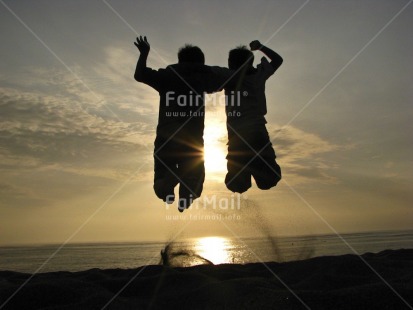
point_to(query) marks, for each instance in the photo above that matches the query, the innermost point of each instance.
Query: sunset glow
(77, 130)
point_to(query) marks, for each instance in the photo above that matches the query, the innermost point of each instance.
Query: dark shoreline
(327, 282)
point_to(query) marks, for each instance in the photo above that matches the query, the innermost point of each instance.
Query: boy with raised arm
(250, 151)
(179, 143)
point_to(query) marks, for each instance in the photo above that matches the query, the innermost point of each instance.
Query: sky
(77, 132)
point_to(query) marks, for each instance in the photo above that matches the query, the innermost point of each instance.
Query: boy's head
(240, 56)
(190, 53)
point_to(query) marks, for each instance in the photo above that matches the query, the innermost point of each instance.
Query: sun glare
(214, 159)
(214, 249)
(214, 150)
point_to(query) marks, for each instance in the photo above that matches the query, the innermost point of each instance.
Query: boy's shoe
(184, 203)
(170, 199)
(238, 184)
(164, 190)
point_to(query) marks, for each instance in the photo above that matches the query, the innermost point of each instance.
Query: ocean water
(216, 250)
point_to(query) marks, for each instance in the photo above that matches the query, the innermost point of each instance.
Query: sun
(214, 159)
(214, 148)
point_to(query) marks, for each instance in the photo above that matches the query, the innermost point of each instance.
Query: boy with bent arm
(250, 151)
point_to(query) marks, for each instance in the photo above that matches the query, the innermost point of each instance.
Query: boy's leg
(238, 178)
(191, 170)
(166, 171)
(264, 168)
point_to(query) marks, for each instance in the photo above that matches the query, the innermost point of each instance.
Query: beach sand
(329, 282)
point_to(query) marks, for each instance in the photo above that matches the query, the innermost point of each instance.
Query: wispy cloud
(52, 126)
(302, 154)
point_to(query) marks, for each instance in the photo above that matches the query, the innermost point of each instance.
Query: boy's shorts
(250, 153)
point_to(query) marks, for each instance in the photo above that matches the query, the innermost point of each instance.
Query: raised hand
(142, 44)
(255, 45)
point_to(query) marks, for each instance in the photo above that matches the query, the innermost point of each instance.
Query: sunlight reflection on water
(214, 249)
(206, 250)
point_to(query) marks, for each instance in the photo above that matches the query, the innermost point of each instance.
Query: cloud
(52, 128)
(114, 79)
(302, 155)
(12, 196)
(56, 129)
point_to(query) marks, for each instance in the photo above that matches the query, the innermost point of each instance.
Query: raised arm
(143, 45)
(276, 60)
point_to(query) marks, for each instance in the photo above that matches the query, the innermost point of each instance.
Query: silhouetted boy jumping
(250, 151)
(179, 143)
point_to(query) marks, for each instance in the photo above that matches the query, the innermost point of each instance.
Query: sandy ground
(333, 282)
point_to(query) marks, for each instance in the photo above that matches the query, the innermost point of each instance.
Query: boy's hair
(190, 53)
(240, 56)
